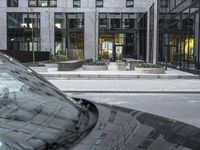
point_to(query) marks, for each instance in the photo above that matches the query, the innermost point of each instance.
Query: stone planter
(40, 69)
(95, 67)
(150, 70)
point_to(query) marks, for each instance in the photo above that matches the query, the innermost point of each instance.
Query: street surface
(136, 85)
(182, 107)
(176, 98)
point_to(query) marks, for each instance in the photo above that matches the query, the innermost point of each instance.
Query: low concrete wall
(39, 69)
(94, 68)
(51, 65)
(150, 70)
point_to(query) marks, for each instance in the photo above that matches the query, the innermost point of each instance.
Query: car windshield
(31, 109)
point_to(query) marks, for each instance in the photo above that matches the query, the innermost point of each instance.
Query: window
(42, 3)
(21, 27)
(103, 24)
(128, 21)
(76, 3)
(99, 3)
(52, 3)
(33, 3)
(129, 3)
(12, 3)
(115, 20)
(69, 35)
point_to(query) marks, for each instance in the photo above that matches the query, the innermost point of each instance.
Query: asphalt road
(131, 86)
(182, 107)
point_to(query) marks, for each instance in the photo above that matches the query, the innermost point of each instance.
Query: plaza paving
(115, 81)
(114, 73)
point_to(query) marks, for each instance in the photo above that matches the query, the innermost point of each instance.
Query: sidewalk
(114, 74)
(115, 81)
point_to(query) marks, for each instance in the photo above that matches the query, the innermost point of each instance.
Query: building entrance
(115, 47)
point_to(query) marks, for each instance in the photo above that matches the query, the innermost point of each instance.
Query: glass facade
(179, 35)
(119, 34)
(69, 35)
(42, 3)
(23, 31)
(12, 3)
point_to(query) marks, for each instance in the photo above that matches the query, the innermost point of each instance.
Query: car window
(29, 105)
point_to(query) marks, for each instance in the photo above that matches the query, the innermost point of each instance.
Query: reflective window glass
(12, 3)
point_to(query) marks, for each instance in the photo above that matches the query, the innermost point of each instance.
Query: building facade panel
(3, 31)
(47, 21)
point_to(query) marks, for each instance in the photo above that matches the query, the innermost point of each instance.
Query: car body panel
(34, 114)
(120, 128)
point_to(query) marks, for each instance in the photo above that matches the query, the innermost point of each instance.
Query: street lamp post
(95, 29)
(32, 35)
(33, 52)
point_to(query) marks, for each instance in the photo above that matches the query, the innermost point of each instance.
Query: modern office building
(158, 31)
(174, 34)
(98, 29)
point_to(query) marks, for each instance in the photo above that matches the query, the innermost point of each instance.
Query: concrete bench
(71, 65)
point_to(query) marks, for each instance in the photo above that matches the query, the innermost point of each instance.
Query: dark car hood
(126, 129)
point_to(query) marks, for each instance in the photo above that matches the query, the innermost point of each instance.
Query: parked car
(34, 114)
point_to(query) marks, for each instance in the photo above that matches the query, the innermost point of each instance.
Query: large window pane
(20, 32)
(103, 24)
(42, 3)
(69, 35)
(99, 3)
(129, 3)
(115, 21)
(77, 3)
(12, 3)
(53, 3)
(13, 20)
(32, 3)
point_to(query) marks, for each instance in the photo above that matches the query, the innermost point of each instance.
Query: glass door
(106, 47)
(118, 53)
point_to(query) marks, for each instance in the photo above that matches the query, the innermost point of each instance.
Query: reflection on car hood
(125, 129)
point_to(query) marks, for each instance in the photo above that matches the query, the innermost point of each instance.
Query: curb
(114, 77)
(135, 92)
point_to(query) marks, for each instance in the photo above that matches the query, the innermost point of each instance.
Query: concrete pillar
(148, 37)
(90, 36)
(47, 31)
(155, 38)
(197, 37)
(3, 31)
(64, 36)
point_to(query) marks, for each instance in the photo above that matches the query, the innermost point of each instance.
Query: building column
(148, 37)
(3, 31)
(47, 31)
(90, 36)
(155, 38)
(197, 37)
